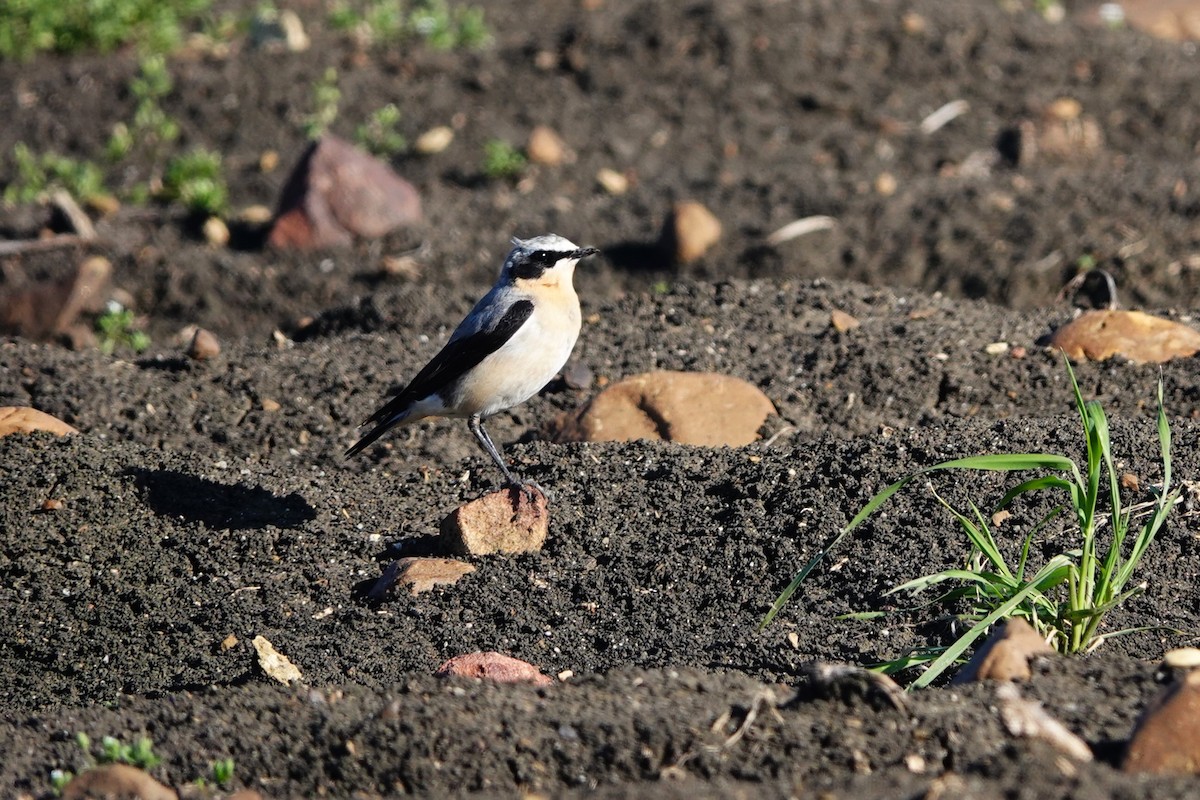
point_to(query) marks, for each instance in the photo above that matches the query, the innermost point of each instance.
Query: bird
(514, 341)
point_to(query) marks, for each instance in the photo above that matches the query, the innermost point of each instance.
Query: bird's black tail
(385, 425)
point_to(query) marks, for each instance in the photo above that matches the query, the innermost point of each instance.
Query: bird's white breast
(525, 363)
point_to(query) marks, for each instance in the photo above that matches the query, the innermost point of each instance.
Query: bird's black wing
(455, 359)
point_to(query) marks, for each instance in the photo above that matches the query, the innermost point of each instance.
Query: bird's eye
(544, 257)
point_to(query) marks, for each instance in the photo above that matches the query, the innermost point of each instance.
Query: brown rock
(697, 408)
(1005, 655)
(513, 520)
(204, 345)
(689, 231)
(1097, 335)
(116, 782)
(419, 575)
(338, 192)
(50, 308)
(545, 147)
(20, 419)
(492, 666)
(1167, 737)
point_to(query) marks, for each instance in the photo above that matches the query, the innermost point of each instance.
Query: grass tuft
(1067, 597)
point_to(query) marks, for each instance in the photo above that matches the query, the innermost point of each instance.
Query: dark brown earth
(190, 512)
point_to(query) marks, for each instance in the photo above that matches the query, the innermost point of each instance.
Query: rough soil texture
(209, 500)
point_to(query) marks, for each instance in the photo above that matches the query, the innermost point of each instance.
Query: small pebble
(204, 346)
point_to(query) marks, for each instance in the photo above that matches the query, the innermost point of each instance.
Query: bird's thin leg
(476, 425)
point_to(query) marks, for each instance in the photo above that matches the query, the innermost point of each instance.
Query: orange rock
(1005, 655)
(508, 521)
(698, 408)
(20, 419)
(338, 192)
(1097, 335)
(1167, 737)
(690, 231)
(492, 666)
(116, 781)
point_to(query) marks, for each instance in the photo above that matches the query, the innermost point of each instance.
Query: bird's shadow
(217, 505)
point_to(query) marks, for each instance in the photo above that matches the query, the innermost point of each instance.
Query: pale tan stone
(1101, 334)
(21, 419)
(697, 408)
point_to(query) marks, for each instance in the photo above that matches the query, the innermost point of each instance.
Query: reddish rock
(1097, 335)
(513, 520)
(494, 667)
(689, 407)
(116, 782)
(1167, 737)
(48, 309)
(21, 419)
(1005, 655)
(338, 192)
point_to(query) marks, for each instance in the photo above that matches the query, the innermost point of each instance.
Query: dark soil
(191, 513)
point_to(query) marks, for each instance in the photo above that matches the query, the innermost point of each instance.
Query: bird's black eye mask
(533, 265)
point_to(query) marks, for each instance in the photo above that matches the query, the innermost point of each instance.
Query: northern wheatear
(513, 343)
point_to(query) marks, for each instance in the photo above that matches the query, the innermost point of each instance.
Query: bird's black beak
(584, 252)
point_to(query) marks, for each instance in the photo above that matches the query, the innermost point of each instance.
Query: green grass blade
(1036, 485)
(1001, 462)
(986, 579)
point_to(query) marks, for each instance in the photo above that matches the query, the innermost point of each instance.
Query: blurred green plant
(150, 126)
(501, 160)
(40, 173)
(222, 771)
(443, 26)
(195, 179)
(117, 327)
(326, 96)
(379, 134)
(29, 27)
